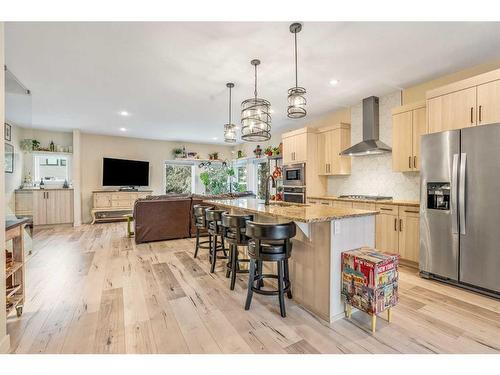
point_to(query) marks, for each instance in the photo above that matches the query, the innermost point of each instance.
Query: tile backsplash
(373, 175)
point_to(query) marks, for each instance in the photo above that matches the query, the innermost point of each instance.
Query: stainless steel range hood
(370, 144)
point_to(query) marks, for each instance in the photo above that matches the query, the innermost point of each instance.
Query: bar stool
(234, 233)
(215, 229)
(200, 223)
(269, 243)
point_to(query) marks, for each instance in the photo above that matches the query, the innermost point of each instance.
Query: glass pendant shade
(229, 133)
(296, 95)
(255, 116)
(296, 102)
(229, 128)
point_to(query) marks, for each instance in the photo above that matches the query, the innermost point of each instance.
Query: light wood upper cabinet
(331, 141)
(402, 141)
(488, 103)
(295, 147)
(456, 110)
(469, 102)
(408, 125)
(419, 128)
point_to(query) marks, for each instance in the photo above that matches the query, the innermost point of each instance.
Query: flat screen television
(122, 172)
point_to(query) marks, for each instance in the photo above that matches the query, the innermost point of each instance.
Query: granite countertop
(291, 211)
(388, 201)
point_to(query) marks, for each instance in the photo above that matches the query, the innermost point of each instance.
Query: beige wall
(13, 180)
(417, 93)
(95, 147)
(4, 339)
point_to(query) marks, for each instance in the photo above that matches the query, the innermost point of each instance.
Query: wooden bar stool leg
(389, 315)
(229, 264)
(260, 283)
(197, 246)
(214, 254)
(374, 323)
(251, 276)
(287, 278)
(281, 294)
(234, 267)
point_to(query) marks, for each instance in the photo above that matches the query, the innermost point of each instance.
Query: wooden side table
(370, 282)
(130, 219)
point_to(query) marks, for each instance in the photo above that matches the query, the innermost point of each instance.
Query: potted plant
(213, 156)
(268, 151)
(35, 145)
(177, 152)
(276, 151)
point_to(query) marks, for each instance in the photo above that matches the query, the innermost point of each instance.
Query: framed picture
(8, 132)
(9, 158)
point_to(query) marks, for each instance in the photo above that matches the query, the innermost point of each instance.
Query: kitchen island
(323, 233)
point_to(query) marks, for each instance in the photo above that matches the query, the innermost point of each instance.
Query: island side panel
(347, 234)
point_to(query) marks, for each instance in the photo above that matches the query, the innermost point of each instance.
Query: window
(241, 178)
(52, 169)
(179, 178)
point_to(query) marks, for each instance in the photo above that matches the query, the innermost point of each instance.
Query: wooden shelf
(12, 269)
(11, 291)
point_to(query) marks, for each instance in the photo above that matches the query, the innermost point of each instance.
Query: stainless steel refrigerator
(460, 207)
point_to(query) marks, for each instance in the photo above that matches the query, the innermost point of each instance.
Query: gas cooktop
(367, 197)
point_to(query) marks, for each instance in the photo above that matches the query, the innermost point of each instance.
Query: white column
(4, 338)
(77, 195)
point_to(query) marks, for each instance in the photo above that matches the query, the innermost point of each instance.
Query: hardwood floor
(92, 290)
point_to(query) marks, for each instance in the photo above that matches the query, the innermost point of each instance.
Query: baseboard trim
(5, 345)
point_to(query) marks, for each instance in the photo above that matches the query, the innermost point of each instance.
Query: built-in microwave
(294, 175)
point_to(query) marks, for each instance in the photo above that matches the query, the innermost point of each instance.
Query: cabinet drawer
(102, 200)
(343, 204)
(363, 206)
(389, 209)
(409, 211)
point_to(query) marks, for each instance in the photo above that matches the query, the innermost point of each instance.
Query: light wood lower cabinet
(386, 224)
(52, 207)
(344, 204)
(409, 233)
(397, 231)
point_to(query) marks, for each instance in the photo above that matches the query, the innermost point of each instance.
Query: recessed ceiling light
(271, 110)
(124, 113)
(123, 129)
(334, 82)
(215, 138)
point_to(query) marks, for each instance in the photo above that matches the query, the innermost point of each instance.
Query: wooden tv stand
(112, 205)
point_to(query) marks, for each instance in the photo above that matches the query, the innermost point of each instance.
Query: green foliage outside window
(178, 179)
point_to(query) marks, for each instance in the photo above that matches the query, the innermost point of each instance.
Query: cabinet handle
(385, 209)
(480, 112)
(412, 212)
(414, 162)
(395, 224)
(400, 225)
(471, 115)
(409, 162)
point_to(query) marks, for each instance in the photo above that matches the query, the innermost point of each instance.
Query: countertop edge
(393, 202)
(318, 220)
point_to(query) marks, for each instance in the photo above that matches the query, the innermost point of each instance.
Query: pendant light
(296, 95)
(255, 116)
(229, 128)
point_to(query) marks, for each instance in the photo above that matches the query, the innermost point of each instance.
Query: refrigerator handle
(454, 194)
(461, 192)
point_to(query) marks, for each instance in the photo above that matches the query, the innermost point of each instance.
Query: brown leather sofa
(168, 217)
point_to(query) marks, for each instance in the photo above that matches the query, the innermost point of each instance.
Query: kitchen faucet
(269, 176)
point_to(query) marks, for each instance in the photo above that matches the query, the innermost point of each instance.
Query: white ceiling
(171, 76)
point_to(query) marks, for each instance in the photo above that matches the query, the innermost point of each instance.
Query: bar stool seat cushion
(269, 247)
